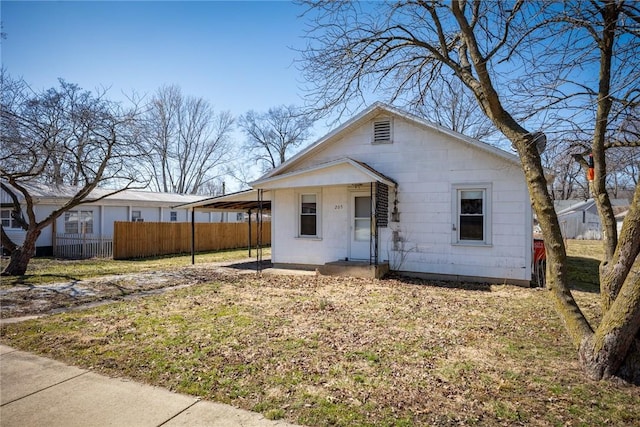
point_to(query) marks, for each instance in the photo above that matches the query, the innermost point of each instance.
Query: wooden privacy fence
(145, 239)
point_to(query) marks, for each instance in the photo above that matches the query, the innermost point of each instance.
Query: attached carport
(252, 201)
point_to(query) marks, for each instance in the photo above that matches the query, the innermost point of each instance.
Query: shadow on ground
(584, 274)
(251, 265)
(469, 286)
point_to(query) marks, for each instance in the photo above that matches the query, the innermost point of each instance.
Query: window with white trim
(308, 215)
(7, 219)
(472, 223)
(136, 216)
(173, 216)
(78, 222)
(382, 131)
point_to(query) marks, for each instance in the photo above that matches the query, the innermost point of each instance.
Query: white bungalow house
(96, 218)
(390, 189)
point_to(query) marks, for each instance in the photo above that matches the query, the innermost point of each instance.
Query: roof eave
(374, 175)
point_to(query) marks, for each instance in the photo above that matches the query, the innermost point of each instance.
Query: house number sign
(338, 207)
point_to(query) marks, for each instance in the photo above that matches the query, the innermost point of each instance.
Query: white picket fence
(81, 246)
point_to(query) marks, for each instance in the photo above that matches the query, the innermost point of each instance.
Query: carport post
(249, 233)
(193, 236)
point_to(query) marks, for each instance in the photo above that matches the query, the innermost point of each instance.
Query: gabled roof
(343, 171)
(620, 208)
(622, 215)
(44, 193)
(376, 109)
(578, 207)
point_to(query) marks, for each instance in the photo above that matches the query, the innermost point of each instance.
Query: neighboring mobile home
(580, 219)
(96, 218)
(388, 187)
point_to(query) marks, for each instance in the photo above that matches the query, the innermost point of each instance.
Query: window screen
(76, 222)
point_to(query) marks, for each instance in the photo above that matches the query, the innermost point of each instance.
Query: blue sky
(237, 55)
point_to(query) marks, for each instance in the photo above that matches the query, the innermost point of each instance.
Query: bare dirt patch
(21, 300)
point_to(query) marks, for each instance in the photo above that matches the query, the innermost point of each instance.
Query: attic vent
(382, 131)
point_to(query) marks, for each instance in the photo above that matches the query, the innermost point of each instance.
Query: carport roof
(241, 201)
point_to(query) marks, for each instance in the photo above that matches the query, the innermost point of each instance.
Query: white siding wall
(425, 164)
(331, 244)
(112, 214)
(17, 234)
(46, 235)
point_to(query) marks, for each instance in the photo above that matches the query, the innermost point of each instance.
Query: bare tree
(569, 181)
(524, 63)
(272, 135)
(623, 163)
(61, 136)
(449, 104)
(187, 142)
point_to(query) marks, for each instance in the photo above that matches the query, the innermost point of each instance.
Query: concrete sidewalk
(36, 391)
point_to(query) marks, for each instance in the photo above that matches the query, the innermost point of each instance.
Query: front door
(360, 240)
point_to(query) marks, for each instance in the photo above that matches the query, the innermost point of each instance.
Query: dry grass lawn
(350, 352)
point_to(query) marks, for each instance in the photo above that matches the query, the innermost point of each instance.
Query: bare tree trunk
(21, 255)
(608, 350)
(610, 13)
(558, 282)
(489, 100)
(7, 243)
(614, 271)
